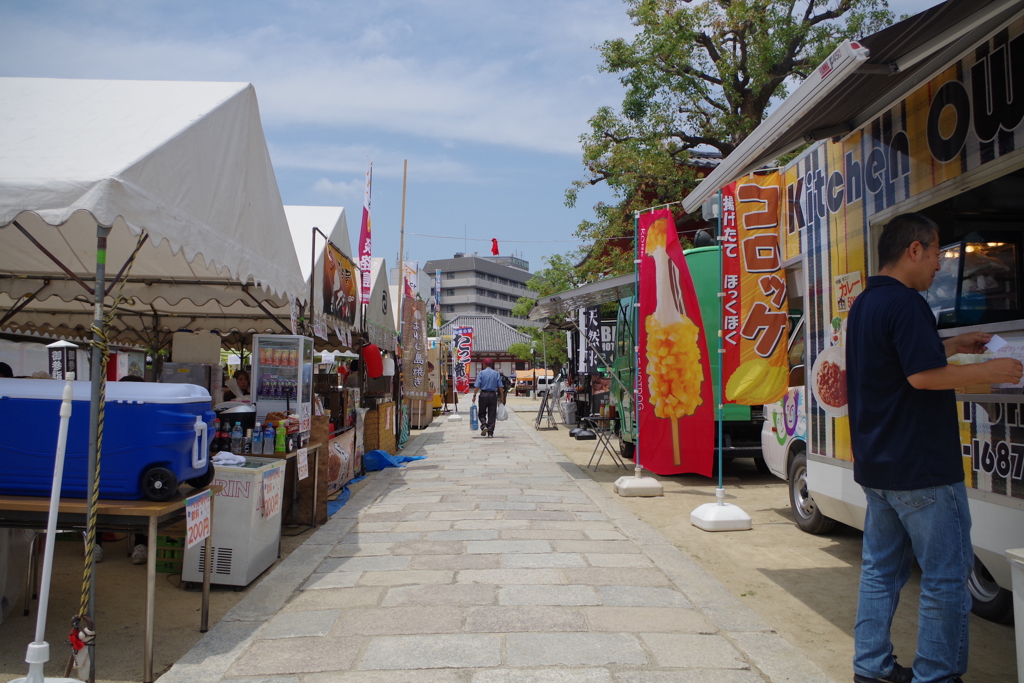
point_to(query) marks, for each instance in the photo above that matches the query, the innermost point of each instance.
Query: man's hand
(1003, 370)
(972, 342)
(474, 397)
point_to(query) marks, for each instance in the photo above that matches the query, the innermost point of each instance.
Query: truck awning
(860, 80)
(593, 294)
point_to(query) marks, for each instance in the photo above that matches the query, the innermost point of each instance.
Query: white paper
(197, 518)
(302, 462)
(995, 343)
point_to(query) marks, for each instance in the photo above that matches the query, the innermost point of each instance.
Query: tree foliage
(700, 77)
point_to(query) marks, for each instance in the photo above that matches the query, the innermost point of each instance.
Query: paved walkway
(493, 561)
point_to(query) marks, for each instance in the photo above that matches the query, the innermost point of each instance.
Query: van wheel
(159, 484)
(203, 479)
(807, 515)
(988, 599)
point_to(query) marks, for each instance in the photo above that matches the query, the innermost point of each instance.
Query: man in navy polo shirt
(906, 452)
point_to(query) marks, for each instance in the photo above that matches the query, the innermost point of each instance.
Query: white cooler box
(244, 541)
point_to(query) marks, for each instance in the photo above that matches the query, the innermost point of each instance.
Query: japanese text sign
(755, 310)
(415, 379)
(463, 354)
(273, 488)
(197, 518)
(302, 463)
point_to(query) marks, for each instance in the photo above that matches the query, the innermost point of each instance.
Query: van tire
(807, 515)
(988, 599)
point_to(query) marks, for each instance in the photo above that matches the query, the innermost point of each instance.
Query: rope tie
(102, 345)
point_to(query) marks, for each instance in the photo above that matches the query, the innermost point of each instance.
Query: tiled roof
(490, 335)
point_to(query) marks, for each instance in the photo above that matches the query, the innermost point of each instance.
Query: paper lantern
(389, 367)
(372, 361)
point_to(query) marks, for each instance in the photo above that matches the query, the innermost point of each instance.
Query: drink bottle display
(268, 439)
(247, 442)
(236, 439)
(279, 438)
(257, 440)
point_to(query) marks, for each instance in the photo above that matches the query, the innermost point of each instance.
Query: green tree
(700, 77)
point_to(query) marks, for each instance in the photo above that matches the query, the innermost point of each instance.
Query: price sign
(273, 487)
(302, 462)
(197, 518)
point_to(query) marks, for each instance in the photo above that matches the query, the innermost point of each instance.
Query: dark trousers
(488, 409)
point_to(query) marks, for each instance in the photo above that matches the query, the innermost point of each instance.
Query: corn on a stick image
(674, 372)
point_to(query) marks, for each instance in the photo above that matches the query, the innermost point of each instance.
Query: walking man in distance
(488, 384)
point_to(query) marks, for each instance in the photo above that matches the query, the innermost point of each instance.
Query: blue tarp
(378, 460)
(339, 502)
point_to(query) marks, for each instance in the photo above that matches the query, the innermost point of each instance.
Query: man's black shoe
(899, 674)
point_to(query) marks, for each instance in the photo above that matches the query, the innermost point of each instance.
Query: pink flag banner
(365, 241)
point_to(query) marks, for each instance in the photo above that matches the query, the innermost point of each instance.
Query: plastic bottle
(257, 440)
(247, 442)
(236, 439)
(215, 444)
(268, 439)
(279, 438)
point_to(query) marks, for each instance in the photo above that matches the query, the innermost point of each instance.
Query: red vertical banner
(366, 242)
(463, 356)
(755, 316)
(676, 402)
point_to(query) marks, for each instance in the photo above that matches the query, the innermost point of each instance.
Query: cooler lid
(117, 392)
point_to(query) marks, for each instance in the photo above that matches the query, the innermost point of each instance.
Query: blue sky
(486, 99)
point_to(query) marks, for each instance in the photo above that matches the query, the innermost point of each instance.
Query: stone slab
(376, 563)
(299, 624)
(454, 594)
(541, 560)
(456, 562)
(618, 560)
(573, 649)
(428, 548)
(502, 547)
(512, 619)
(543, 676)
(511, 576)
(406, 577)
(647, 619)
(334, 598)
(297, 655)
(548, 595)
(692, 651)
(393, 621)
(639, 596)
(432, 652)
(613, 576)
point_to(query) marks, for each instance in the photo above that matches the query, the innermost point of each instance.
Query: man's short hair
(900, 233)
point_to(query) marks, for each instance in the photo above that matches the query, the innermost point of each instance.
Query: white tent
(184, 163)
(380, 321)
(331, 221)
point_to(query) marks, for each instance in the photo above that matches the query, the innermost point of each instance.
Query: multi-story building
(481, 285)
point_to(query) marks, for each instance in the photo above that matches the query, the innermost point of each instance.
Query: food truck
(942, 135)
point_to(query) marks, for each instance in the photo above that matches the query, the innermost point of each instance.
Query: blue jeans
(933, 525)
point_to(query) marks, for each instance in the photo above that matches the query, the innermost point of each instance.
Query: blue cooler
(155, 437)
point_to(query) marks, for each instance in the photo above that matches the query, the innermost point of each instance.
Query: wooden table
(140, 516)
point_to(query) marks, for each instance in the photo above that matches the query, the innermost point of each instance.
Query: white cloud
(346, 190)
(478, 72)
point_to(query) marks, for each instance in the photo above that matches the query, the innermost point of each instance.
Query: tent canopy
(859, 81)
(380, 321)
(184, 163)
(332, 221)
(593, 294)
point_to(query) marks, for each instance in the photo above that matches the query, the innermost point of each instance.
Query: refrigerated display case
(282, 376)
(978, 280)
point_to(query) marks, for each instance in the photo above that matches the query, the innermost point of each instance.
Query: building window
(449, 309)
(449, 292)
(450, 276)
(520, 365)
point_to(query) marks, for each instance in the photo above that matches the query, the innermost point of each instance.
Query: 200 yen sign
(1004, 460)
(198, 532)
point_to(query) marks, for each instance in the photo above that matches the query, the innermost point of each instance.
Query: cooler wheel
(159, 483)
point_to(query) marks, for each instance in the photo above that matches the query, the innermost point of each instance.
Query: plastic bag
(502, 413)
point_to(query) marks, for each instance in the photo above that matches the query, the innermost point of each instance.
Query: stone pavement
(492, 561)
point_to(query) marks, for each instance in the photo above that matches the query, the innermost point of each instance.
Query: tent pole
(401, 254)
(97, 380)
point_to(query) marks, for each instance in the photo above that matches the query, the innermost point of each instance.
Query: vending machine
(282, 376)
